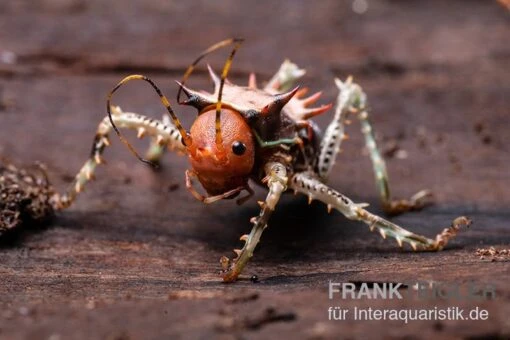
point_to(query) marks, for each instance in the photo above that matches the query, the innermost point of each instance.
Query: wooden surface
(137, 257)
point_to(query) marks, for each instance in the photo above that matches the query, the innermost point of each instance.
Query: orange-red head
(221, 170)
(223, 155)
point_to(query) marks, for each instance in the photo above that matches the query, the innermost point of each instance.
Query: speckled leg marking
(277, 183)
(156, 151)
(310, 185)
(348, 99)
(165, 135)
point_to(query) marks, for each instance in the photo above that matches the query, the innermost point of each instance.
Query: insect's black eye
(238, 148)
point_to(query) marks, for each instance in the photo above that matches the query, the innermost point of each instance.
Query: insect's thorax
(286, 140)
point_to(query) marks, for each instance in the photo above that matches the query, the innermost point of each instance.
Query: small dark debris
(270, 315)
(5, 103)
(421, 136)
(241, 298)
(401, 135)
(122, 335)
(390, 148)
(229, 321)
(453, 159)
(173, 187)
(439, 138)
(455, 162)
(389, 67)
(67, 178)
(438, 326)
(24, 197)
(487, 140)
(481, 130)
(479, 127)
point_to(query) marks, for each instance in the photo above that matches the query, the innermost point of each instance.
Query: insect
(264, 135)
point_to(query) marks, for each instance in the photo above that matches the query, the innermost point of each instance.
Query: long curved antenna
(211, 49)
(185, 136)
(224, 73)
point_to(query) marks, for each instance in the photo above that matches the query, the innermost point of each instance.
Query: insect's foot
(154, 155)
(417, 202)
(60, 202)
(448, 233)
(229, 271)
(421, 199)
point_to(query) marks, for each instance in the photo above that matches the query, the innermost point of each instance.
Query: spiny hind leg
(390, 206)
(276, 176)
(166, 136)
(310, 185)
(352, 100)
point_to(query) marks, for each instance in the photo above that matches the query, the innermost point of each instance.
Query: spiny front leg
(165, 135)
(309, 184)
(277, 183)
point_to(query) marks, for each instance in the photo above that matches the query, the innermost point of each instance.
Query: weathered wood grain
(136, 256)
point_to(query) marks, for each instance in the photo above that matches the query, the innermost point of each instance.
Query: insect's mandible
(264, 135)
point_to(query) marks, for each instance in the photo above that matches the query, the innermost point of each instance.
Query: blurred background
(437, 78)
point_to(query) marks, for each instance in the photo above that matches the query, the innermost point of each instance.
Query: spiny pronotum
(265, 135)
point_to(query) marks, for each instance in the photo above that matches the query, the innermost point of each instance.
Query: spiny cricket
(265, 135)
